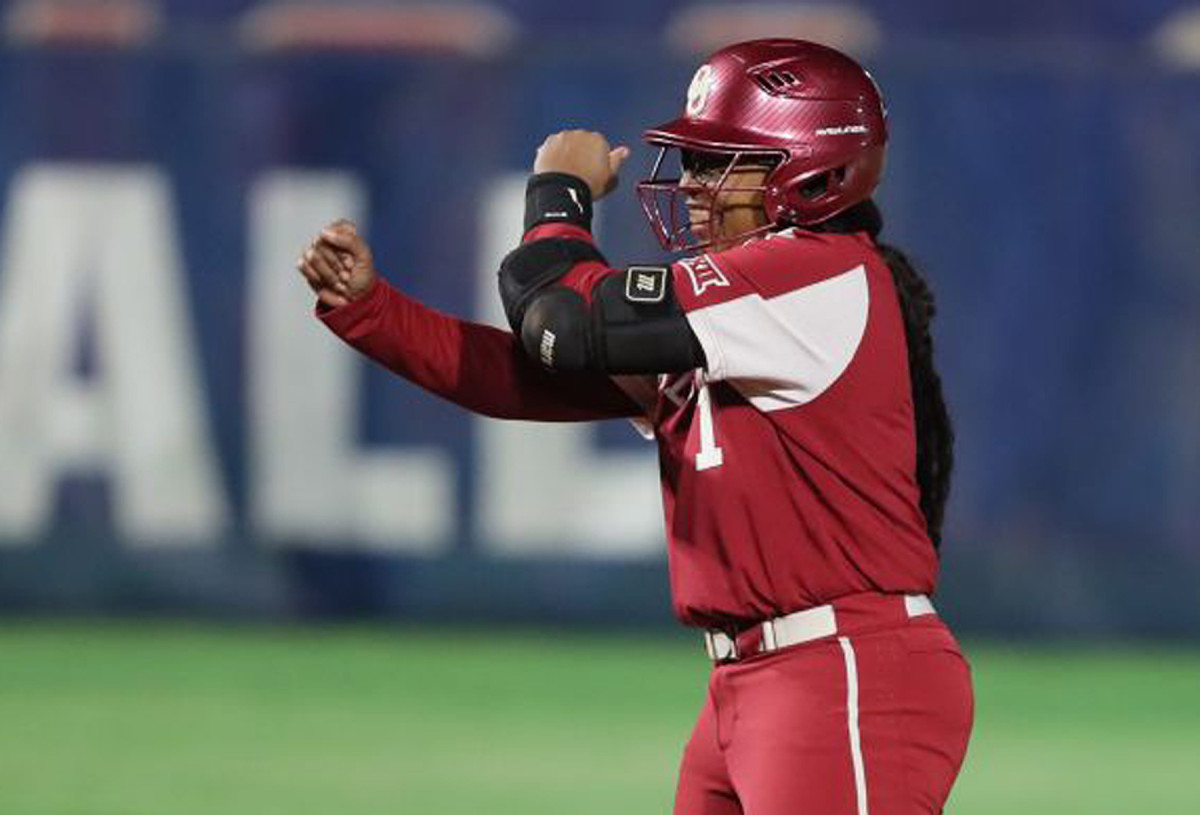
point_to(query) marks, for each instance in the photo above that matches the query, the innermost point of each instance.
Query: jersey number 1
(709, 455)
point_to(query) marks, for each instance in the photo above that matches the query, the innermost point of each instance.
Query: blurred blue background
(177, 435)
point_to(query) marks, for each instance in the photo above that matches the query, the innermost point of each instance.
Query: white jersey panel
(785, 351)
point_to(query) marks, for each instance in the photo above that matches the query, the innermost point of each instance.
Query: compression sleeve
(480, 368)
(572, 311)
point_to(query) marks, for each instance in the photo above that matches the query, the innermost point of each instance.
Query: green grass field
(160, 719)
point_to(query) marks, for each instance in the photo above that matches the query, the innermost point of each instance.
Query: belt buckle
(721, 647)
(768, 637)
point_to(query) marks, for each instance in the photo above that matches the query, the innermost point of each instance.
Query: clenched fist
(585, 155)
(338, 264)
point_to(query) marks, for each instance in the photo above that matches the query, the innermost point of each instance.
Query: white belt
(793, 629)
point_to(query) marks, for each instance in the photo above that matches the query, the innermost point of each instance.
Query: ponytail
(935, 433)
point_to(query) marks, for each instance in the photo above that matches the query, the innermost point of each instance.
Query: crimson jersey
(788, 464)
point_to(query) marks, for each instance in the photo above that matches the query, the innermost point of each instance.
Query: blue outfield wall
(178, 435)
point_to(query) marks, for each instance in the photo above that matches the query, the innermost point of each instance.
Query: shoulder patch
(704, 272)
(646, 284)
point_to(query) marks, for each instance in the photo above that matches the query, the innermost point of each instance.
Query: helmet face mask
(713, 179)
(810, 113)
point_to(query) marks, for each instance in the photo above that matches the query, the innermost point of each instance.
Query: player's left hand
(583, 154)
(338, 264)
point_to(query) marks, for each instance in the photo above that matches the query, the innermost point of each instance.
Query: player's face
(722, 202)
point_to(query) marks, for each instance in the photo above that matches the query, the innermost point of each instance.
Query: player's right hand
(585, 155)
(338, 264)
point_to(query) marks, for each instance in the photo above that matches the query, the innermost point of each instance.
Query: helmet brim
(707, 135)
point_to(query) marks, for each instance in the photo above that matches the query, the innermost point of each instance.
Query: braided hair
(935, 433)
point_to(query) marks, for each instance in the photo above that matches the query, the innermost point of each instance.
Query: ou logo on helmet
(700, 90)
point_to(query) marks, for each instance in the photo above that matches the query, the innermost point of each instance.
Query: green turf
(170, 720)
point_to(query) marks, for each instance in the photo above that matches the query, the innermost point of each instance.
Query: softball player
(784, 368)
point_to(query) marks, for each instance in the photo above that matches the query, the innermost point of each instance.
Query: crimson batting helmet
(810, 112)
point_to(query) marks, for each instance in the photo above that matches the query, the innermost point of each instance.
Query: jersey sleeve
(781, 317)
(477, 367)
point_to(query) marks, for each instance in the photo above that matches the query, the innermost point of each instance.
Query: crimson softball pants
(875, 722)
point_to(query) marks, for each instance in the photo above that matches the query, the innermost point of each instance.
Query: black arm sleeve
(616, 334)
(557, 198)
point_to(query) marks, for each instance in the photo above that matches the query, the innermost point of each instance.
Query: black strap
(639, 327)
(557, 198)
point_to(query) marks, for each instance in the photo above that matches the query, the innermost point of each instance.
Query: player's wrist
(555, 197)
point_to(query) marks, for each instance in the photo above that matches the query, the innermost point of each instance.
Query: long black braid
(935, 433)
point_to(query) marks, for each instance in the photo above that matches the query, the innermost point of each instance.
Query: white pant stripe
(860, 773)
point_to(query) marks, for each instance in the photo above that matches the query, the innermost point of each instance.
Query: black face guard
(665, 200)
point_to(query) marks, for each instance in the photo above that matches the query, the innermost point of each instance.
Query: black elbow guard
(556, 330)
(623, 331)
(532, 267)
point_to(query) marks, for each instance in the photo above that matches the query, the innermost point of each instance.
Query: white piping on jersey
(785, 351)
(856, 756)
(789, 232)
(678, 387)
